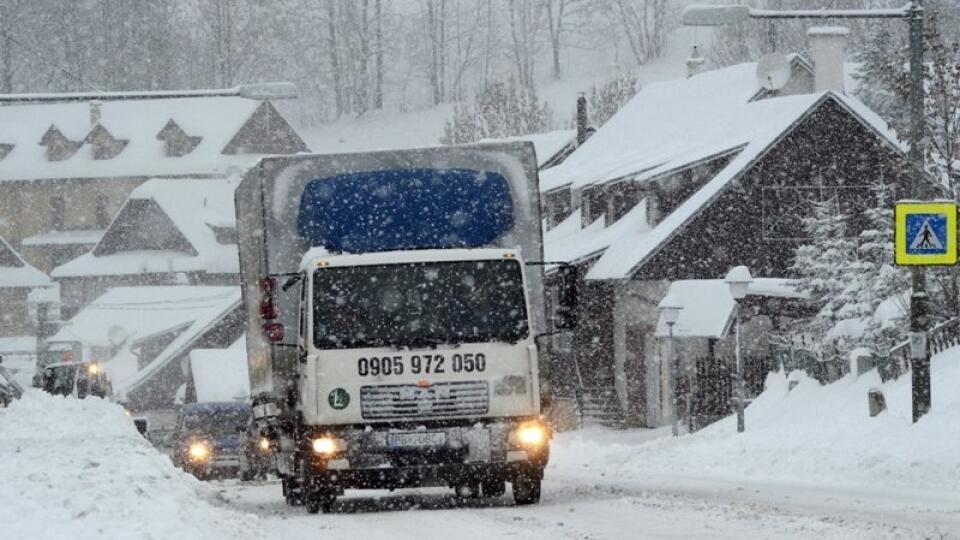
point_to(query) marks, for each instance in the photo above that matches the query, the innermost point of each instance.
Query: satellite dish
(116, 335)
(773, 71)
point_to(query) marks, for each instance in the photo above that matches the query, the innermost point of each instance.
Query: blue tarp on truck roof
(401, 209)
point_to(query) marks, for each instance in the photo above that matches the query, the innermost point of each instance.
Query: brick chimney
(581, 119)
(828, 52)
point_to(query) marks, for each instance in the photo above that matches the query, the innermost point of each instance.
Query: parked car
(211, 439)
(76, 379)
(9, 388)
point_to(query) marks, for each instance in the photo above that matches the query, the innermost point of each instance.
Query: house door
(635, 371)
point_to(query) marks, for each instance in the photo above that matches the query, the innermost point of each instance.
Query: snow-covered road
(576, 507)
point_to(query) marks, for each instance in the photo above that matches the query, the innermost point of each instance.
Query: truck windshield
(419, 304)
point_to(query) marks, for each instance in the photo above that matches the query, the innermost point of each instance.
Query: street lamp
(912, 13)
(739, 280)
(670, 308)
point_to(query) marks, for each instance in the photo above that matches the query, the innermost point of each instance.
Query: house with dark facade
(691, 178)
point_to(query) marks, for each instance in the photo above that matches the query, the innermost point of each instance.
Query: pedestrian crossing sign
(925, 233)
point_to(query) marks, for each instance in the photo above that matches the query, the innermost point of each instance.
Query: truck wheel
(291, 492)
(493, 488)
(320, 499)
(468, 490)
(526, 491)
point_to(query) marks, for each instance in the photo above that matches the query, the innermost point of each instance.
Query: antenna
(773, 71)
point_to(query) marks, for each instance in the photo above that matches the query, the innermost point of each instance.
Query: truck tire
(291, 492)
(526, 490)
(320, 499)
(493, 488)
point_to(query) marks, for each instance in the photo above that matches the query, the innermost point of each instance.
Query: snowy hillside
(385, 130)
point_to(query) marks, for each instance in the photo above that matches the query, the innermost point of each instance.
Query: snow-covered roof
(770, 119)
(568, 242)
(195, 206)
(216, 119)
(220, 374)
(673, 123)
(707, 306)
(17, 273)
(546, 144)
(133, 313)
(64, 238)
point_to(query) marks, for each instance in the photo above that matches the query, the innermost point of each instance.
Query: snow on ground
(79, 469)
(812, 434)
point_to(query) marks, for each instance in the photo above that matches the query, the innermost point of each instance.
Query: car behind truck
(393, 302)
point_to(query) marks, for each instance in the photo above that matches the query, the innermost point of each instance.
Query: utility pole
(919, 301)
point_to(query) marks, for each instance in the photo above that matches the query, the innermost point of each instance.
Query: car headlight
(263, 444)
(530, 435)
(327, 446)
(93, 369)
(199, 451)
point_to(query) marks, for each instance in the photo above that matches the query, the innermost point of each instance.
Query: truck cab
(426, 372)
(393, 302)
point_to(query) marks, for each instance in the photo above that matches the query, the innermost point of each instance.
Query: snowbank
(811, 434)
(78, 469)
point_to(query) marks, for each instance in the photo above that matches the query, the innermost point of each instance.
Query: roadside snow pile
(811, 434)
(78, 469)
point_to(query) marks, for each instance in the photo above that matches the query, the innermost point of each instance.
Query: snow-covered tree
(824, 266)
(605, 100)
(500, 109)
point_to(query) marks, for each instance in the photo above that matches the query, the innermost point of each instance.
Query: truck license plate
(416, 438)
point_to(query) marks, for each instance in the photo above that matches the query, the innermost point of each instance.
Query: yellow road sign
(925, 233)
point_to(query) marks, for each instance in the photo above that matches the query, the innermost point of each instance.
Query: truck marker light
(423, 383)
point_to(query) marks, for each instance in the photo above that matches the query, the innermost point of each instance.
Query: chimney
(581, 119)
(828, 52)
(95, 112)
(696, 63)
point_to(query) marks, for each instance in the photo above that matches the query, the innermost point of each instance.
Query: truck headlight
(199, 451)
(328, 446)
(530, 435)
(263, 444)
(93, 369)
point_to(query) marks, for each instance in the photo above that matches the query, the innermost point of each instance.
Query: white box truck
(393, 303)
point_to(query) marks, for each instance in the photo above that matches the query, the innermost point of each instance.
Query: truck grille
(411, 401)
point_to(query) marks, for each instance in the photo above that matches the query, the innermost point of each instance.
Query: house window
(57, 212)
(103, 214)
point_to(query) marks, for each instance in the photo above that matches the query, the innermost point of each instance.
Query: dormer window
(59, 147)
(176, 141)
(5, 149)
(105, 146)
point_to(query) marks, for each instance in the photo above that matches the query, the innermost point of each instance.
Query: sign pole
(919, 310)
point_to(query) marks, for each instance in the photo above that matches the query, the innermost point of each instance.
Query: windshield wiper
(420, 342)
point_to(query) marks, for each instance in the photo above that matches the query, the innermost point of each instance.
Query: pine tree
(823, 268)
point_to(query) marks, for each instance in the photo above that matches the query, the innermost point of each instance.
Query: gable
(265, 132)
(756, 219)
(142, 225)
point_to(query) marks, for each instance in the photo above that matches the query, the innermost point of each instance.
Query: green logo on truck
(339, 398)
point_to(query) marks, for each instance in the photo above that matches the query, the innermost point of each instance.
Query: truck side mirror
(568, 297)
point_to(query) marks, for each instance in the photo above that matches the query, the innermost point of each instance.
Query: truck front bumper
(370, 456)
